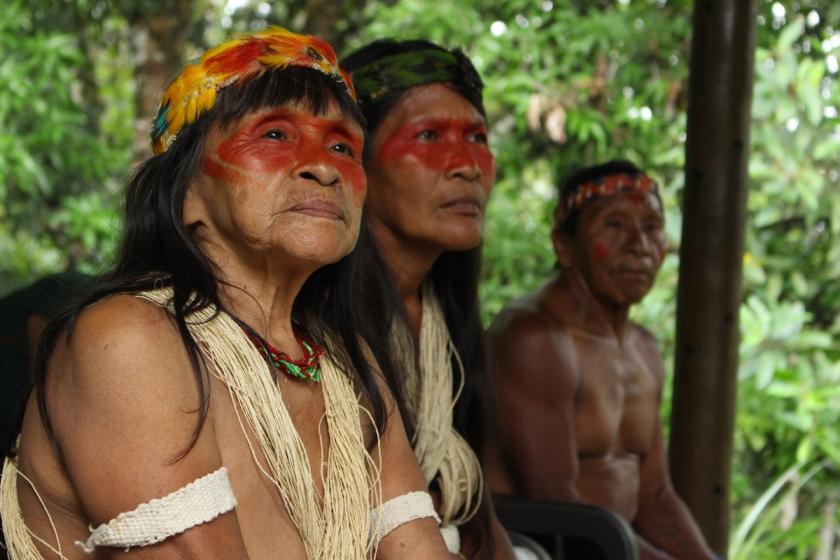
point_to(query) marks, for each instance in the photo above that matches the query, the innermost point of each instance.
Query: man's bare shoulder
(525, 334)
(648, 347)
(530, 314)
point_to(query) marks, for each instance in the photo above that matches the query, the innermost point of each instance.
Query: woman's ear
(194, 210)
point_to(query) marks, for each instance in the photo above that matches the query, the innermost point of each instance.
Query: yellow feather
(206, 99)
(191, 108)
(175, 118)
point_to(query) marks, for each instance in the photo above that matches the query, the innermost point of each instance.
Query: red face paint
(441, 145)
(601, 250)
(216, 170)
(286, 139)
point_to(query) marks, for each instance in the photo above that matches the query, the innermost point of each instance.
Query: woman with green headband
(214, 396)
(430, 173)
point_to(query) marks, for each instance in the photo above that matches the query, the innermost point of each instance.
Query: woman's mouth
(319, 208)
(464, 205)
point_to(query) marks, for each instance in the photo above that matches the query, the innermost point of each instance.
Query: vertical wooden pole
(709, 294)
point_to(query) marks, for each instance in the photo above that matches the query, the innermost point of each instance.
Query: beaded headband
(609, 185)
(404, 71)
(194, 91)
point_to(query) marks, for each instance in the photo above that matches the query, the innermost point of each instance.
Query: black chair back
(568, 531)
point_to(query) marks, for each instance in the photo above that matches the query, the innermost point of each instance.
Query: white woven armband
(399, 511)
(198, 502)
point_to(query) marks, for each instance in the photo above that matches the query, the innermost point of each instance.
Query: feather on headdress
(608, 186)
(194, 91)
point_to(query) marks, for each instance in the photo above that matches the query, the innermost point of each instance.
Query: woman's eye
(275, 134)
(479, 138)
(427, 135)
(345, 149)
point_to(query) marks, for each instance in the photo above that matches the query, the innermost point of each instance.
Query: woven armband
(399, 511)
(198, 502)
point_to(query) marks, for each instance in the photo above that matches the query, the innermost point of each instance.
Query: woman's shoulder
(121, 350)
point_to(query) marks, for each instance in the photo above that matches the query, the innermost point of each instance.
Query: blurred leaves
(52, 149)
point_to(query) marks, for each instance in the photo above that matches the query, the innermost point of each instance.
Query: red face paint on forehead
(440, 144)
(286, 138)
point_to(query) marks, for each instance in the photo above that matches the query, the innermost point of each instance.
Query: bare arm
(123, 402)
(419, 539)
(662, 519)
(535, 381)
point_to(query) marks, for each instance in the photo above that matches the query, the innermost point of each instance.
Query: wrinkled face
(431, 170)
(282, 182)
(618, 247)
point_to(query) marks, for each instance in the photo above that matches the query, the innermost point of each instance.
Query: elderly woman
(430, 173)
(213, 397)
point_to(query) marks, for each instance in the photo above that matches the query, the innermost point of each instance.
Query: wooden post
(709, 294)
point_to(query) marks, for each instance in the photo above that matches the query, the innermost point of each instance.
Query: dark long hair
(454, 277)
(157, 248)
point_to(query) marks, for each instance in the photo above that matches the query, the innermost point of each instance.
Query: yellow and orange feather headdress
(194, 91)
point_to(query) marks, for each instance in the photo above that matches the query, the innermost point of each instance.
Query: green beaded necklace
(307, 368)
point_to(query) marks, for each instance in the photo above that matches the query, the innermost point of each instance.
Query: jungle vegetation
(569, 83)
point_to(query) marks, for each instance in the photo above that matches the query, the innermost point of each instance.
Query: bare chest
(264, 521)
(617, 402)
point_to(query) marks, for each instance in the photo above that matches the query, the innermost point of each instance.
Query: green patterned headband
(403, 71)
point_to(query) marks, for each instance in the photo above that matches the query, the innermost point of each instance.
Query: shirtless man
(212, 397)
(578, 384)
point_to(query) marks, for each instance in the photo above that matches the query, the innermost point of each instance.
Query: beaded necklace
(307, 367)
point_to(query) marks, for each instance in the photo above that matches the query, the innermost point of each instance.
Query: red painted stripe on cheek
(215, 169)
(354, 174)
(601, 250)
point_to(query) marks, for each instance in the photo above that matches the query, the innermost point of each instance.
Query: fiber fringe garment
(336, 524)
(442, 452)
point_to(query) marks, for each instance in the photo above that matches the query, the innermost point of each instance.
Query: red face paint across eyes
(441, 145)
(285, 140)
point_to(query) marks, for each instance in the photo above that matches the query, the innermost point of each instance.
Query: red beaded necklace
(308, 367)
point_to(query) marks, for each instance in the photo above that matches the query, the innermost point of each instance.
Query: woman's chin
(465, 242)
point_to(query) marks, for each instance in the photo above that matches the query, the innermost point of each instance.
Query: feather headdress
(194, 91)
(608, 186)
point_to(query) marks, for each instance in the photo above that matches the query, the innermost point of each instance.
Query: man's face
(619, 246)
(282, 181)
(432, 172)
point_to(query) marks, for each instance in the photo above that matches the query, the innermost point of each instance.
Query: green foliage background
(569, 83)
